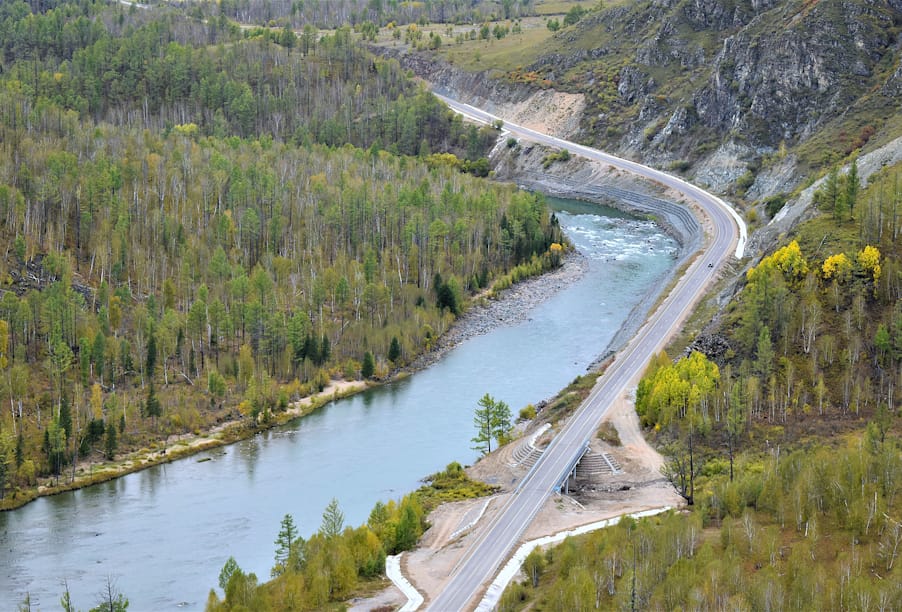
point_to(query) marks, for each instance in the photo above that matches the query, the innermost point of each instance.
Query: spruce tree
(285, 542)
(111, 442)
(394, 350)
(368, 368)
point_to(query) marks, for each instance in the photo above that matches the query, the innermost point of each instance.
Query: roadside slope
(496, 539)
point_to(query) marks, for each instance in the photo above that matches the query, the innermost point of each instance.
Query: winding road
(727, 236)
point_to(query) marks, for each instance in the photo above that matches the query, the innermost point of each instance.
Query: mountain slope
(675, 80)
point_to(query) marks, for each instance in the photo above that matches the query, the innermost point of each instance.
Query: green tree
(112, 443)
(534, 565)
(492, 420)
(409, 526)
(735, 424)
(368, 368)
(216, 383)
(285, 544)
(765, 352)
(150, 361)
(883, 344)
(152, 406)
(98, 352)
(230, 567)
(61, 359)
(394, 350)
(573, 15)
(852, 186)
(5, 463)
(325, 350)
(333, 520)
(828, 196)
(446, 297)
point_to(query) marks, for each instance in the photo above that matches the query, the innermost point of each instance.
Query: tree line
(334, 13)
(322, 88)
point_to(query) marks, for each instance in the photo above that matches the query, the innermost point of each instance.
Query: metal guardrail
(565, 476)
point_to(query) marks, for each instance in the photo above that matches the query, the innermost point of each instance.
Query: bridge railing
(564, 477)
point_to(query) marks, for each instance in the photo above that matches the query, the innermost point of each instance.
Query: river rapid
(162, 535)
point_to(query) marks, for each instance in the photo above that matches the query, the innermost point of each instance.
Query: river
(162, 535)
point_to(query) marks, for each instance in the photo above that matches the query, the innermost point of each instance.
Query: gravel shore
(509, 308)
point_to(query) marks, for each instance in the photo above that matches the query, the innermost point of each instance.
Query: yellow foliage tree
(869, 260)
(791, 262)
(97, 401)
(115, 313)
(837, 267)
(245, 365)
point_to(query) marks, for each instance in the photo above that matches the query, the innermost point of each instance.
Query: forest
(335, 13)
(199, 232)
(782, 436)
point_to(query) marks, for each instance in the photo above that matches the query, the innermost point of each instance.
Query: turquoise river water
(162, 535)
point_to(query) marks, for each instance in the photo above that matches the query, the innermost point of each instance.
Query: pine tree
(333, 520)
(285, 543)
(325, 350)
(492, 420)
(111, 442)
(151, 360)
(152, 406)
(852, 186)
(368, 368)
(394, 350)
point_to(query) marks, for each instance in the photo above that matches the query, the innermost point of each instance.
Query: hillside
(793, 394)
(765, 92)
(205, 224)
(782, 433)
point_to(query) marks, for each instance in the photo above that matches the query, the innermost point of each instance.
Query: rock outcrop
(715, 85)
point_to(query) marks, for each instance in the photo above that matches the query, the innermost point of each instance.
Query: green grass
(568, 400)
(451, 484)
(506, 54)
(560, 7)
(608, 433)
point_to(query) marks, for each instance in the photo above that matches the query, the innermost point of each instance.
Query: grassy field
(463, 45)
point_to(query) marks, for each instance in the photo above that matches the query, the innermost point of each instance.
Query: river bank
(179, 446)
(578, 180)
(509, 307)
(482, 316)
(375, 445)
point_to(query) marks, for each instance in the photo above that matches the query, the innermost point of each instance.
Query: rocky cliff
(704, 83)
(745, 96)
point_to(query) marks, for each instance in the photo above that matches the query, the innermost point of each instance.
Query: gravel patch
(509, 308)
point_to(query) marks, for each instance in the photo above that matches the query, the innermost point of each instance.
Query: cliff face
(723, 90)
(718, 85)
(782, 84)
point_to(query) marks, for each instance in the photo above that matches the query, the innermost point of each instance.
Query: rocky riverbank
(508, 308)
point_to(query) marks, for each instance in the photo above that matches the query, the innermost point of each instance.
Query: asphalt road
(727, 237)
